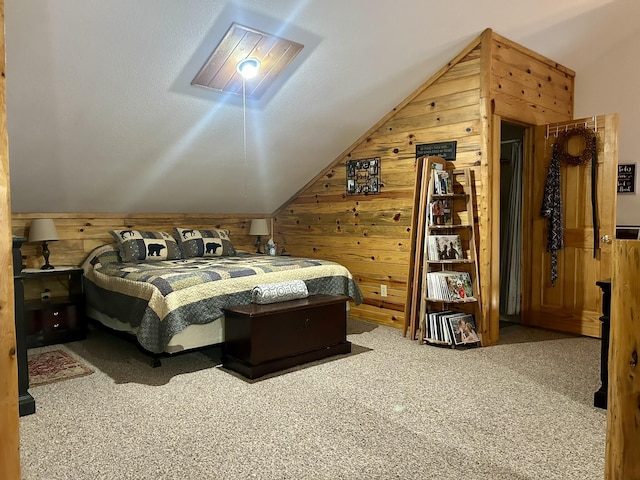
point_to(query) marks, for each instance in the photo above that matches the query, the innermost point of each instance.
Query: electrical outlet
(383, 290)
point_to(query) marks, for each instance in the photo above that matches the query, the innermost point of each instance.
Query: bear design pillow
(140, 245)
(204, 243)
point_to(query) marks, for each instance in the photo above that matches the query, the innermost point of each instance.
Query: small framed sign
(446, 150)
(627, 178)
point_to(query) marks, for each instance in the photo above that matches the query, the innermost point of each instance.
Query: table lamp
(259, 227)
(43, 230)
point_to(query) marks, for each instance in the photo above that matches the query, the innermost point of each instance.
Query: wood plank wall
(81, 233)
(527, 87)
(371, 235)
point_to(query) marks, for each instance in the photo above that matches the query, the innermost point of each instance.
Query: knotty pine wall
(528, 87)
(372, 235)
(81, 233)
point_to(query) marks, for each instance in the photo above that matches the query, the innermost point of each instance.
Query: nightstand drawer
(59, 323)
(59, 318)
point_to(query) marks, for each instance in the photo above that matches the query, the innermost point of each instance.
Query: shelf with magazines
(450, 295)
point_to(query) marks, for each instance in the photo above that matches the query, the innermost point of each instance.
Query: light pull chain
(244, 130)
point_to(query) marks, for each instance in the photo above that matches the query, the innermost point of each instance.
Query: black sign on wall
(446, 150)
(627, 178)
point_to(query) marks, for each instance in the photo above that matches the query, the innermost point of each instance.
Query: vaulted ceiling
(102, 116)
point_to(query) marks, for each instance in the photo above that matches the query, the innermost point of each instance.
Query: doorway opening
(511, 163)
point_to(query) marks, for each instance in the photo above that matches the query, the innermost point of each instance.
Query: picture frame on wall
(363, 176)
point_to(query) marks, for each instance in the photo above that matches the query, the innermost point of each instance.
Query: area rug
(54, 366)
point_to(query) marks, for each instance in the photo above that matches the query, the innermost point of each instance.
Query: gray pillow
(279, 292)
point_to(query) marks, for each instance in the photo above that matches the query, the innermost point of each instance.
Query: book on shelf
(444, 247)
(442, 182)
(450, 285)
(463, 329)
(440, 212)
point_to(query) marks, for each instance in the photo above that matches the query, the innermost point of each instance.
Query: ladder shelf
(450, 306)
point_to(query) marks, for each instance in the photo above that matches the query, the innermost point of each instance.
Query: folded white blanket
(279, 292)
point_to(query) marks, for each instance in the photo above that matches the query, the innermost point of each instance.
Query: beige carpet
(393, 410)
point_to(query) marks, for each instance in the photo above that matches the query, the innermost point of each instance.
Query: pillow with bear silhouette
(140, 245)
(204, 243)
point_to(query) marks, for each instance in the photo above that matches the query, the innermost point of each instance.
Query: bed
(175, 300)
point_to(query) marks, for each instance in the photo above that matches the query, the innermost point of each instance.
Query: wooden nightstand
(54, 306)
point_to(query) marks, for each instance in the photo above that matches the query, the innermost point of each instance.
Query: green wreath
(589, 146)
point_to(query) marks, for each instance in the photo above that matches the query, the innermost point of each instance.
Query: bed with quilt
(169, 290)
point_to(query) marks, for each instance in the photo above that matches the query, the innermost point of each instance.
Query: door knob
(605, 239)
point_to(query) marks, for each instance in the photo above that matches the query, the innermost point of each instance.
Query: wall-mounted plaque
(363, 176)
(627, 178)
(446, 150)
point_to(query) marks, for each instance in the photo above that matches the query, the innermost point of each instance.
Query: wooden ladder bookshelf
(450, 277)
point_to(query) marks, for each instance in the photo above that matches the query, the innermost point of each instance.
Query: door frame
(528, 211)
(493, 296)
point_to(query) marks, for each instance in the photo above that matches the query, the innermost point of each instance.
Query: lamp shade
(42, 230)
(259, 227)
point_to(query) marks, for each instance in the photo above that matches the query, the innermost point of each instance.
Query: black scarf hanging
(552, 211)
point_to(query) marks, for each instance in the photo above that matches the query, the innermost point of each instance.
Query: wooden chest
(261, 339)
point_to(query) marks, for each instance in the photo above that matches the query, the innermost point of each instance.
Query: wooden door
(573, 305)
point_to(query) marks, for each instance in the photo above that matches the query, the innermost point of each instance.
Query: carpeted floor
(392, 409)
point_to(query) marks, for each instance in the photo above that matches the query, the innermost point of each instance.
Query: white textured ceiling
(102, 117)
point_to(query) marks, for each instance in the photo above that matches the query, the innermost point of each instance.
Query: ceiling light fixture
(248, 67)
(272, 55)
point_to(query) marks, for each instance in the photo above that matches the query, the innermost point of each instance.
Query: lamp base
(258, 243)
(45, 254)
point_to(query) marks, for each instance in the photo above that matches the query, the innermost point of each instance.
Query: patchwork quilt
(158, 299)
